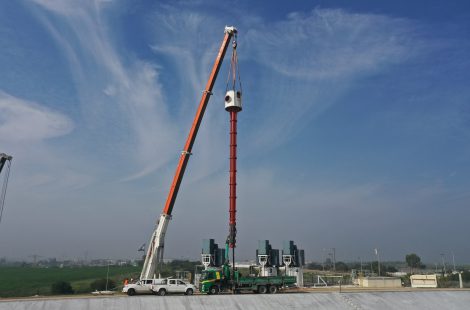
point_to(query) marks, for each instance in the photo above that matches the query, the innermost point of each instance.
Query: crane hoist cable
(234, 70)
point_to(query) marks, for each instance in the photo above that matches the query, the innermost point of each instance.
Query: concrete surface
(428, 300)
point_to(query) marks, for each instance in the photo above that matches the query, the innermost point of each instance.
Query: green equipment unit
(215, 280)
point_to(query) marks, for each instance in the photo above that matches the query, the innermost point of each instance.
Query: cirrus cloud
(23, 120)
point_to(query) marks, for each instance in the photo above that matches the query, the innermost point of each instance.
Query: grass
(29, 281)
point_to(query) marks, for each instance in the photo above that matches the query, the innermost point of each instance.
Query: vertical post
(453, 260)
(233, 184)
(334, 259)
(443, 264)
(378, 259)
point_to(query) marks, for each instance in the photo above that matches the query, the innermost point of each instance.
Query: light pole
(378, 259)
(443, 263)
(334, 259)
(453, 261)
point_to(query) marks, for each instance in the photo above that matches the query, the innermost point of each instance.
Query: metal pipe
(233, 179)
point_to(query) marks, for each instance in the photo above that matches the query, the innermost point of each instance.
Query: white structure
(382, 282)
(266, 271)
(233, 100)
(423, 280)
(206, 260)
(293, 271)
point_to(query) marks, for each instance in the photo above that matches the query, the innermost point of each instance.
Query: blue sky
(354, 134)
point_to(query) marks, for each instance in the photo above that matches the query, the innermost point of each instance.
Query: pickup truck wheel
(214, 290)
(262, 289)
(273, 289)
(162, 292)
(131, 292)
(189, 291)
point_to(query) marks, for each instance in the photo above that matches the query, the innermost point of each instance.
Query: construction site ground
(315, 298)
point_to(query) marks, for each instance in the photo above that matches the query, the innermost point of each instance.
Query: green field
(29, 281)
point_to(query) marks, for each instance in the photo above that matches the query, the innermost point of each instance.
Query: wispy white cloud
(26, 121)
(26, 130)
(312, 59)
(331, 44)
(113, 88)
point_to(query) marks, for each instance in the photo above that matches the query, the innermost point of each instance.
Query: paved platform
(428, 300)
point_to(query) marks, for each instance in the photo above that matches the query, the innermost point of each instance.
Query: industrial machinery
(219, 275)
(215, 280)
(154, 256)
(5, 162)
(293, 260)
(273, 274)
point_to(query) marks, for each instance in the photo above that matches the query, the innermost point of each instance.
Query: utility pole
(453, 260)
(443, 264)
(334, 259)
(378, 259)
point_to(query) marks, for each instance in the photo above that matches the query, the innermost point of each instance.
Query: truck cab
(212, 281)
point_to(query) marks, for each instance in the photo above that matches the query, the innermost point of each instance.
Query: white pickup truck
(143, 286)
(168, 286)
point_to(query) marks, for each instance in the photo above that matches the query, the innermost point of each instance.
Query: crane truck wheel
(262, 289)
(273, 289)
(131, 292)
(189, 291)
(214, 290)
(162, 292)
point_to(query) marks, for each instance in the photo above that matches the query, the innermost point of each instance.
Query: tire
(131, 292)
(189, 292)
(273, 289)
(162, 292)
(262, 289)
(214, 290)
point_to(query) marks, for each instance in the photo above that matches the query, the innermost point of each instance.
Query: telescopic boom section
(154, 255)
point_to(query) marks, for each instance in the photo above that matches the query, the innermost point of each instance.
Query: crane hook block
(233, 101)
(230, 29)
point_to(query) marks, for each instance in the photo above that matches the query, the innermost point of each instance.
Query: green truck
(215, 280)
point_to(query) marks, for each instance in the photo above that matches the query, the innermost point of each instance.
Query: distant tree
(100, 285)
(314, 266)
(328, 264)
(413, 261)
(375, 267)
(341, 266)
(61, 287)
(391, 269)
